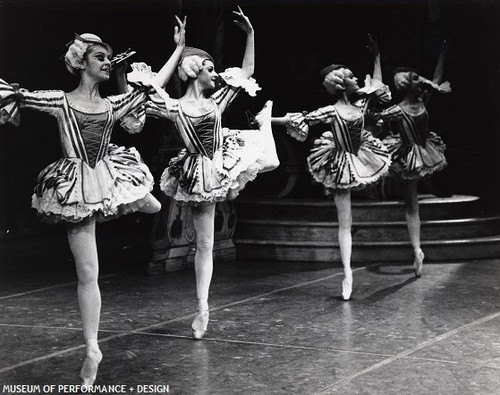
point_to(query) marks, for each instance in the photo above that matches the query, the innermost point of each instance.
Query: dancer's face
(350, 82)
(207, 76)
(97, 63)
(415, 81)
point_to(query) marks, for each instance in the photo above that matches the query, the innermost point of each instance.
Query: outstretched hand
(372, 45)
(180, 32)
(243, 22)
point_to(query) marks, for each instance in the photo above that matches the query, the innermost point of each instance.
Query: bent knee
(150, 205)
(269, 165)
(154, 207)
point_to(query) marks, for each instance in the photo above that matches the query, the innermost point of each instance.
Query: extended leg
(269, 160)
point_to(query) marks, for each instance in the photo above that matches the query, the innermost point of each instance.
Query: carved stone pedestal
(173, 237)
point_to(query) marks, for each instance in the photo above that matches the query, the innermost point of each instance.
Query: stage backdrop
(294, 40)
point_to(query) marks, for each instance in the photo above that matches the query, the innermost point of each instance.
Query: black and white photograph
(250, 197)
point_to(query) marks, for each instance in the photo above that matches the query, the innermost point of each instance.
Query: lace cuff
(445, 87)
(134, 123)
(141, 76)
(298, 127)
(233, 77)
(377, 88)
(10, 97)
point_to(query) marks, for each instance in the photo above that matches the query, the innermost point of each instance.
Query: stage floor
(274, 329)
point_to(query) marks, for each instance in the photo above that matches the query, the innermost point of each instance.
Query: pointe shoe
(418, 263)
(252, 122)
(262, 117)
(88, 373)
(347, 287)
(200, 324)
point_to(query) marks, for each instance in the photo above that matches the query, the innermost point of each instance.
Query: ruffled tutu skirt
(194, 179)
(69, 190)
(338, 169)
(413, 162)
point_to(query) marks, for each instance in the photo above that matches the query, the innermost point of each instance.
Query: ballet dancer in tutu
(346, 157)
(416, 152)
(95, 180)
(216, 162)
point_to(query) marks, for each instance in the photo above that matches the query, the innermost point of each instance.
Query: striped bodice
(204, 127)
(94, 140)
(413, 129)
(347, 134)
(201, 134)
(83, 136)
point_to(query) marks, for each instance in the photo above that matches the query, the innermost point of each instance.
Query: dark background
(294, 40)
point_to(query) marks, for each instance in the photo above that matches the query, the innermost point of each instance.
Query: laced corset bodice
(412, 128)
(347, 134)
(204, 127)
(91, 127)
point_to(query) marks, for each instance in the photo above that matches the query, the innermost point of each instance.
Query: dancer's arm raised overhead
(165, 73)
(169, 68)
(436, 85)
(438, 71)
(248, 64)
(373, 48)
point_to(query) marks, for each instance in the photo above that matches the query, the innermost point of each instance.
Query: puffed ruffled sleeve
(376, 89)
(445, 87)
(235, 82)
(387, 116)
(391, 114)
(298, 127)
(145, 97)
(13, 98)
(128, 103)
(322, 115)
(300, 122)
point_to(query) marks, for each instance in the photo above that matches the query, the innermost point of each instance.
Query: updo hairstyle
(192, 62)
(327, 74)
(78, 48)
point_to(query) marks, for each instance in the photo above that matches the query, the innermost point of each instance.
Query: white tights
(344, 212)
(203, 222)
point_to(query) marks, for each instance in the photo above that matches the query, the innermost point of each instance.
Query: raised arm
(373, 48)
(248, 65)
(168, 69)
(438, 72)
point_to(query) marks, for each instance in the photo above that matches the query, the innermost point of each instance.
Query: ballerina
(94, 180)
(416, 152)
(346, 157)
(217, 162)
